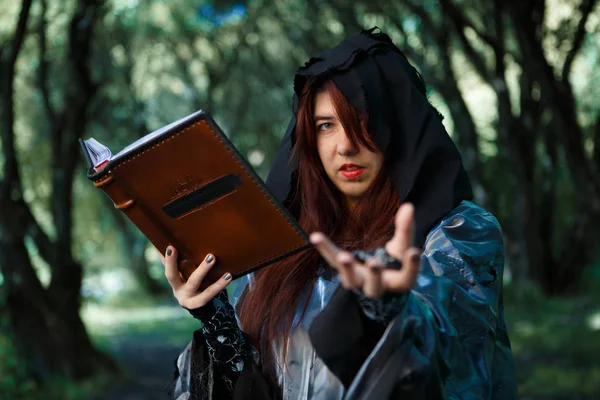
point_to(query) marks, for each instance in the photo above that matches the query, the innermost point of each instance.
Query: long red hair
(267, 311)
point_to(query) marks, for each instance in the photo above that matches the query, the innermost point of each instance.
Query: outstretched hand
(370, 276)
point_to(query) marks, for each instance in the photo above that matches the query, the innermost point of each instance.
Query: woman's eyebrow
(324, 117)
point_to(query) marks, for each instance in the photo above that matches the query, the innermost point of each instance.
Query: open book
(186, 185)
(98, 155)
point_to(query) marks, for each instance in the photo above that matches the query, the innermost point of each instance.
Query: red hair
(267, 310)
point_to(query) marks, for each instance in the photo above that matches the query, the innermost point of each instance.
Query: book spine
(145, 223)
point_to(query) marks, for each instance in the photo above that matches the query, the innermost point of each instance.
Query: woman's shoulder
(470, 232)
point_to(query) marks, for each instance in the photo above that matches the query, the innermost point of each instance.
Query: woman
(407, 303)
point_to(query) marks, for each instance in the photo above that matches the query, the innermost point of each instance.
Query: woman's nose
(345, 147)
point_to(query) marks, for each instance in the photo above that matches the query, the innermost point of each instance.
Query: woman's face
(351, 169)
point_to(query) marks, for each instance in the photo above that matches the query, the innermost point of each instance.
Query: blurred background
(85, 311)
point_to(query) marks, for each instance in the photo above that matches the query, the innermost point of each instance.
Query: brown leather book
(186, 185)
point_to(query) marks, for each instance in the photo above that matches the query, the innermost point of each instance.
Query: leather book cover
(186, 185)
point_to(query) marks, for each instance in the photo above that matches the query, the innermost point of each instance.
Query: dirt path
(145, 341)
(148, 366)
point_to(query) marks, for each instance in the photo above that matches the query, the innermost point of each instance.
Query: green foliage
(14, 382)
(567, 383)
(137, 324)
(555, 343)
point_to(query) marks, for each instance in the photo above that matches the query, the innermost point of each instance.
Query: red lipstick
(351, 171)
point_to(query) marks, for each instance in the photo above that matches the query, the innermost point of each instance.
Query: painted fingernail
(227, 276)
(169, 251)
(209, 258)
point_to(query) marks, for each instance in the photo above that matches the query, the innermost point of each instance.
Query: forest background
(85, 311)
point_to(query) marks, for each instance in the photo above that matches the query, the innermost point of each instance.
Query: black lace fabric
(385, 308)
(382, 309)
(226, 344)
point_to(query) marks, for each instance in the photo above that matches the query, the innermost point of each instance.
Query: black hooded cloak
(376, 78)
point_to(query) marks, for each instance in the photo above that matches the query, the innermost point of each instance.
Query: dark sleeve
(385, 308)
(223, 341)
(354, 335)
(220, 363)
(381, 310)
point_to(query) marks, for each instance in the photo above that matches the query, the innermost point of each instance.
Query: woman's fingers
(371, 277)
(373, 286)
(325, 247)
(403, 231)
(186, 293)
(404, 279)
(344, 270)
(195, 279)
(205, 296)
(171, 270)
(350, 270)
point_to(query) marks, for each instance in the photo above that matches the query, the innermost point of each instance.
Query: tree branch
(465, 22)
(43, 69)
(596, 156)
(7, 76)
(586, 7)
(35, 232)
(458, 20)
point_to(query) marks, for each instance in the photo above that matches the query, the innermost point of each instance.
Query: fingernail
(315, 237)
(209, 258)
(227, 276)
(169, 251)
(344, 258)
(415, 258)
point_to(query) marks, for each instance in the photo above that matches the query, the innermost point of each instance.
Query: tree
(533, 132)
(45, 325)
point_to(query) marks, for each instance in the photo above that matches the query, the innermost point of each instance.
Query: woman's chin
(354, 194)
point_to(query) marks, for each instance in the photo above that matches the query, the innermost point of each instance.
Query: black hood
(376, 78)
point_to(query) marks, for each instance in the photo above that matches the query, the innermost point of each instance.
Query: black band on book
(210, 192)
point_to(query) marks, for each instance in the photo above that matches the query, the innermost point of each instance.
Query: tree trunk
(49, 340)
(44, 325)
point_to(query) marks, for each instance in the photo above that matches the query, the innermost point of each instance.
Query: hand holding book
(186, 292)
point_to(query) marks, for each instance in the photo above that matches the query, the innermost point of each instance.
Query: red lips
(346, 166)
(351, 171)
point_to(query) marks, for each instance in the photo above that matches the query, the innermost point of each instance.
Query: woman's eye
(324, 126)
